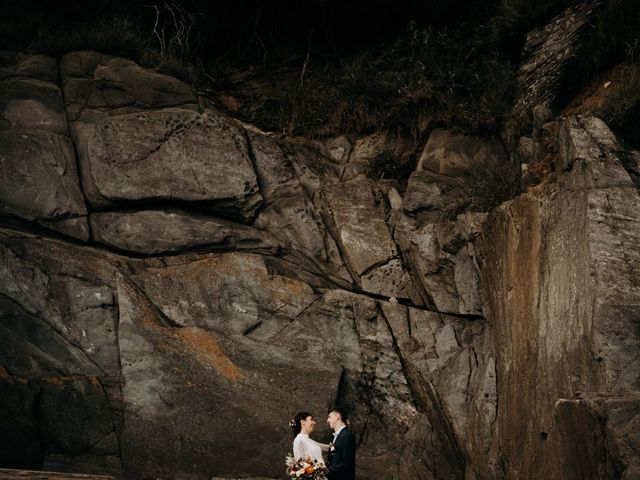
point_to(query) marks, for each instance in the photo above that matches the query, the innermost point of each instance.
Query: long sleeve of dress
(299, 450)
(323, 446)
(305, 447)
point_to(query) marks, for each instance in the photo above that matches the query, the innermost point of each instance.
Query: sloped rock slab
(547, 56)
(367, 246)
(62, 308)
(232, 293)
(288, 203)
(198, 389)
(161, 231)
(442, 259)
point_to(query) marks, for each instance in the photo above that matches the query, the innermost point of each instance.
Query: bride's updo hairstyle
(295, 424)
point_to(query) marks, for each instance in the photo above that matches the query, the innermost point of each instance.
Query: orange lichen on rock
(61, 381)
(57, 381)
(181, 340)
(4, 375)
(7, 377)
(205, 346)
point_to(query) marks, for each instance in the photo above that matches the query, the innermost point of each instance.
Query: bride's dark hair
(295, 422)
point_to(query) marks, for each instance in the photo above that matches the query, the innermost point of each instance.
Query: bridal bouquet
(308, 469)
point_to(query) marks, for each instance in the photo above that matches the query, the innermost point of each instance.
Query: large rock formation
(169, 276)
(560, 278)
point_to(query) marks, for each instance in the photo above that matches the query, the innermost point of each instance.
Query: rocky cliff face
(176, 284)
(560, 277)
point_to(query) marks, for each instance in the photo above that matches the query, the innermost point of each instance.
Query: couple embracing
(341, 452)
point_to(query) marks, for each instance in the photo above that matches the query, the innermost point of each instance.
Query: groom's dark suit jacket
(342, 461)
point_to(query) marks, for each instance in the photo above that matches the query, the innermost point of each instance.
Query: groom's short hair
(340, 411)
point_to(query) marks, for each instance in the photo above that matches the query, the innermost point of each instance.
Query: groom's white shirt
(335, 434)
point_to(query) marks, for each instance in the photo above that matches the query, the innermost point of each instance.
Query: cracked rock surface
(170, 276)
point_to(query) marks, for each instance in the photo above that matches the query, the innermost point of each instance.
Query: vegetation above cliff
(324, 68)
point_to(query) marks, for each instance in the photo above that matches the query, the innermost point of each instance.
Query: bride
(305, 447)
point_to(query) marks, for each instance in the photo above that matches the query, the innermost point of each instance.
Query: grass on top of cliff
(425, 77)
(456, 74)
(164, 36)
(611, 77)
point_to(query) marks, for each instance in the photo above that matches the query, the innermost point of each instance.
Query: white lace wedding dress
(305, 447)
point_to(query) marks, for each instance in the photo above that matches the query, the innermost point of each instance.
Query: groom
(342, 457)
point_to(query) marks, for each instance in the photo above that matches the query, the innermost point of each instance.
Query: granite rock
(170, 155)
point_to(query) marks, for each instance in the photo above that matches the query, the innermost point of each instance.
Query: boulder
(40, 181)
(458, 154)
(172, 155)
(25, 65)
(336, 149)
(160, 231)
(365, 149)
(29, 103)
(369, 152)
(97, 85)
(434, 196)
